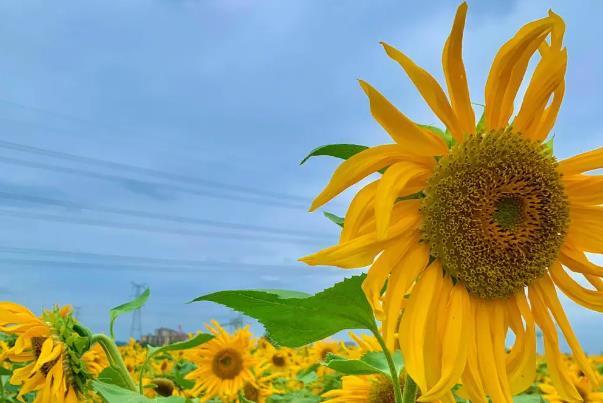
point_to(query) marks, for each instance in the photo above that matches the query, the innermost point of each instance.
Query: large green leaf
(373, 362)
(115, 394)
(294, 322)
(343, 151)
(130, 306)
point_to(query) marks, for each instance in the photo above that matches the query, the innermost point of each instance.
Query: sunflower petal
(549, 295)
(585, 231)
(454, 348)
(554, 358)
(522, 369)
(454, 71)
(413, 325)
(508, 69)
(395, 183)
(429, 89)
(359, 210)
(584, 162)
(407, 134)
(590, 299)
(576, 261)
(584, 189)
(357, 168)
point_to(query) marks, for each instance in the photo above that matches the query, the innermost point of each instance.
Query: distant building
(163, 336)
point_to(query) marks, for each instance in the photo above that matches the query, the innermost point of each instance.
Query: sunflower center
(382, 390)
(325, 352)
(251, 392)
(163, 386)
(495, 213)
(227, 364)
(278, 360)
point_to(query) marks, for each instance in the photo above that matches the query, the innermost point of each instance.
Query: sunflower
(95, 360)
(362, 389)
(223, 364)
(53, 369)
(472, 229)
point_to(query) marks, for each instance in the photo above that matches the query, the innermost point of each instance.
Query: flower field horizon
(467, 250)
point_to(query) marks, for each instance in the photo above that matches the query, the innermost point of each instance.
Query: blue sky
(126, 126)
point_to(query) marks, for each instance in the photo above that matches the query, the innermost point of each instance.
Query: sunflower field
(469, 233)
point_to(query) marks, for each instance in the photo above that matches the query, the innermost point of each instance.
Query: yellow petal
(430, 90)
(454, 71)
(508, 69)
(413, 325)
(49, 352)
(361, 251)
(584, 189)
(454, 339)
(547, 78)
(549, 295)
(521, 364)
(590, 299)
(392, 185)
(576, 261)
(413, 139)
(360, 208)
(584, 162)
(557, 368)
(379, 272)
(492, 378)
(585, 229)
(357, 168)
(400, 281)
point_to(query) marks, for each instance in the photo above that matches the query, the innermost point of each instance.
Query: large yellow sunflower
(478, 229)
(223, 364)
(40, 345)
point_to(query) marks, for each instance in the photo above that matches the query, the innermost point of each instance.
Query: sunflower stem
(114, 358)
(410, 390)
(392, 368)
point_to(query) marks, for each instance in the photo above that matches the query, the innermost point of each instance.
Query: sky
(158, 142)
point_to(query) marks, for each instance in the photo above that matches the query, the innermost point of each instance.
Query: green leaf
(549, 145)
(343, 151)
(481, 124)
(336, 219)
(181, 345)
(4, 371)
(445, 135)
(535, 398)
(301, 396)
(294, 322)
(133, 305)
(113, 376)
(373, 362)
(115, 394)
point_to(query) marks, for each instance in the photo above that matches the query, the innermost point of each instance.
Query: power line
(156, 229)
(157, 216)
(124, 180)
(148, 171)
(143, 261)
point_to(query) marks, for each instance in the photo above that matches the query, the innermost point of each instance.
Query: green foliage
(549, 145)
(527, 399)
(336, 219)
(302, 396)
(294, 322)
(115, 394)
(373, 362)
(343, 151)
(130, 306)
(113, 376)
(444, 134)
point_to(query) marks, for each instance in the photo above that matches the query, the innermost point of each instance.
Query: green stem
(392, 368)
(114, 357)
(410, 390)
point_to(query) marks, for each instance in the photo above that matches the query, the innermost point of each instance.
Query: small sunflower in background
(95, 360)
(363, 389)
(51, 351)
(472, 229)
(223, 364)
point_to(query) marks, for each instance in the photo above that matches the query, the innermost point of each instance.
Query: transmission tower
(235, 323)
(136, 325)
